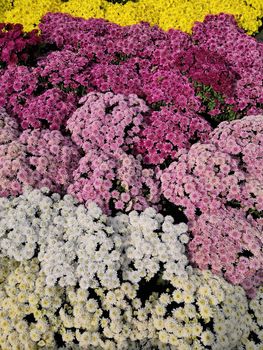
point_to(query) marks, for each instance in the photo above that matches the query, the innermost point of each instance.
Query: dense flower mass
(167, 14)
(243, 139)
(25, 296)
(203, 73)
(255, 307)
(9, 128)
(131, 176)
(107, 122)
(231, 245)
(14, 44)
(123, 318)
(52, 107)
(102, 248)
(120, 183)
(33, 159)
(220, 36)
(225, 171)
(165, 132)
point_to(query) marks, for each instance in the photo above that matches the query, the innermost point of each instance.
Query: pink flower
(221, 237)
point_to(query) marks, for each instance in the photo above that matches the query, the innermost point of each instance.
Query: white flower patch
(78, 245)
(152, 243)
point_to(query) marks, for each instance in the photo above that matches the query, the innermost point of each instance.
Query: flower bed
(131, 185)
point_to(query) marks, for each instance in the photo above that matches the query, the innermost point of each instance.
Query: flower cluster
(33, 159)
(183, 317)
(197, 311)
(17, 85)
(243, 140)
(225, 171)
(255, 307)
(219, 33)
(158, 72)
(230, 244)
(9, 128)
(79, 245)
(165, 132)
(159, 320)
(81, 56)
(65, 69)
(52, 107)
(27, 12)
(179, 14)
(170, 87)
(107, 122)
(151, 241)
(202, 63)
(28, 307)
(14, 44)
(106, 127)
(115, 183)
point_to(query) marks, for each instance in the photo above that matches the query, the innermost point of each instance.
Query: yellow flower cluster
(202, 297)
(29, 12)
(178, 14)
(27, 307)
(31, 313)
(4, 6)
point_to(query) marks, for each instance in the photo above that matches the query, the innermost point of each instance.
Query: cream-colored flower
(160, 309)
(178, 296)
(164, 336)
(207, 338)
(158, 323)
(35, 335)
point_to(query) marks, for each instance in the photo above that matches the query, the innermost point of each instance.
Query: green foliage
(120, 57)
(156, 106)
(212, 100)
(255, 213)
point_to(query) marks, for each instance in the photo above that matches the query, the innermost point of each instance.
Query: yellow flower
(91, 305)
(179, 313)
(196, 329)
(21, 326)
(204, 291)
(33, 299)
(22, 297)
(4, 325)
(37, 314)
(68, 337)
(164, 299)
(82, 295)
(178, 14)
(173, 340)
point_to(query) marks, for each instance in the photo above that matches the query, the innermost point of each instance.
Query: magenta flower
(15, 45)
(165, 132)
